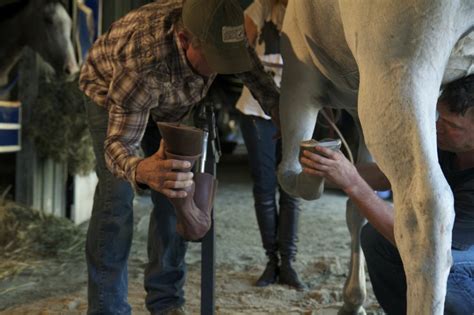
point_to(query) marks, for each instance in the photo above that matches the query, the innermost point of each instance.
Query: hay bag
(58, 126)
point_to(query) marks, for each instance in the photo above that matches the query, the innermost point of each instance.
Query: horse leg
(354, 292)
(423, 201)
(298, 111)
(401, 58)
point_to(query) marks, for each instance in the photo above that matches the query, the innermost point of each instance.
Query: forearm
(378, 212)
(334, 166)
(251, 31)
(371, 173)
(128, 101)
(122, 163)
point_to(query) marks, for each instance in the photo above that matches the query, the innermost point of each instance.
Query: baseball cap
(219, 25)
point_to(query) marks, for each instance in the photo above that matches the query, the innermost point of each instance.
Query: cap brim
(228, 61)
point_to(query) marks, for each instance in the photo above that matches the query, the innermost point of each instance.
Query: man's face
(195, 56)
(455, 133)
(198, 61)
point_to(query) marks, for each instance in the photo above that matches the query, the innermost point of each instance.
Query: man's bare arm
(335, 167)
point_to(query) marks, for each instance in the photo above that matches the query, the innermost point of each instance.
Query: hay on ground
(28, 237)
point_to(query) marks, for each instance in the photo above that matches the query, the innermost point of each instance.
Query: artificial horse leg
(298, 111)
(400, 77)
(354, 292)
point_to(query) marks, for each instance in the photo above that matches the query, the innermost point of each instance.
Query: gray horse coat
(385, 61)
(42, 25)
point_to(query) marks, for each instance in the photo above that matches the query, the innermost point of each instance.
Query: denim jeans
(264, 154)
(109, 236)
(389, 283)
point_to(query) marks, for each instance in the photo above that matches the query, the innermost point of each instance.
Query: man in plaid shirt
(154, 64)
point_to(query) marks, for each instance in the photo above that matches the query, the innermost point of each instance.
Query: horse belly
(321, 27)
(461, 60)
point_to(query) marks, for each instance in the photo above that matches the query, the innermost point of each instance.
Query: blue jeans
(263, 153)
(389, 283)
(279, 230)
(109, 236)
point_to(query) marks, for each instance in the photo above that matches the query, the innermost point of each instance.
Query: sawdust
(55, 287)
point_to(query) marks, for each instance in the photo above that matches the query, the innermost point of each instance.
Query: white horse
(388, 58)
(42, 25)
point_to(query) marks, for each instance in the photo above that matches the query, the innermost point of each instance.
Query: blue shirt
(462, 185)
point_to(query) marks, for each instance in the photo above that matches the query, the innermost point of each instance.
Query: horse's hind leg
(354, 292)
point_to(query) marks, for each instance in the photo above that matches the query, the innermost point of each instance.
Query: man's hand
(164, 175)
(333, 166)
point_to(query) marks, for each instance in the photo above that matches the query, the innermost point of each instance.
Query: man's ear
(183, 40)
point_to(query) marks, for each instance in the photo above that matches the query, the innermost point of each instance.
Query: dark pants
(278, 229)
(389, 283)
(263, 153)
(109, 236)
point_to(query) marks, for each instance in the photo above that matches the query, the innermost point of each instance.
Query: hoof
(346, 310)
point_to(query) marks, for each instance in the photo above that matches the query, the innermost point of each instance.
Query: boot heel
(289, 276)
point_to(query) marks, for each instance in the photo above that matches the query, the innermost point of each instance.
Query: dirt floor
(57, 285)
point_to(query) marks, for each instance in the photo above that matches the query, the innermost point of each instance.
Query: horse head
(48, 31)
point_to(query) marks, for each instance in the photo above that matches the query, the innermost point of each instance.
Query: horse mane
(64, 3)
(11, 10)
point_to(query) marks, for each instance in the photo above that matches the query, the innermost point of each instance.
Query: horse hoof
(345, 310)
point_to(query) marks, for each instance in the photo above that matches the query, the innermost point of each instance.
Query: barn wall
(26, 183)
(84, 187)
(41, 183)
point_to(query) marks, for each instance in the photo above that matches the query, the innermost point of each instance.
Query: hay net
(58, 126)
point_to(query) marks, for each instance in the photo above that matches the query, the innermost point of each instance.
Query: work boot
(193, 213)
(267, 218)
(287, 238)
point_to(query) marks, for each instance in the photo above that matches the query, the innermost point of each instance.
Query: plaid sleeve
(261, 84)
(128, 103)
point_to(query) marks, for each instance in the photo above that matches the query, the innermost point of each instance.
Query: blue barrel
(10, 126)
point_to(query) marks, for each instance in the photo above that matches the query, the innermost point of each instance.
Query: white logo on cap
(233, 34)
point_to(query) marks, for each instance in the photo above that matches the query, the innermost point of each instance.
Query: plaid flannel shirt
(138, 68)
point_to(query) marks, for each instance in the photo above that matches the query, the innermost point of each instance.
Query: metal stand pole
(211, 151)
(208, 272)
